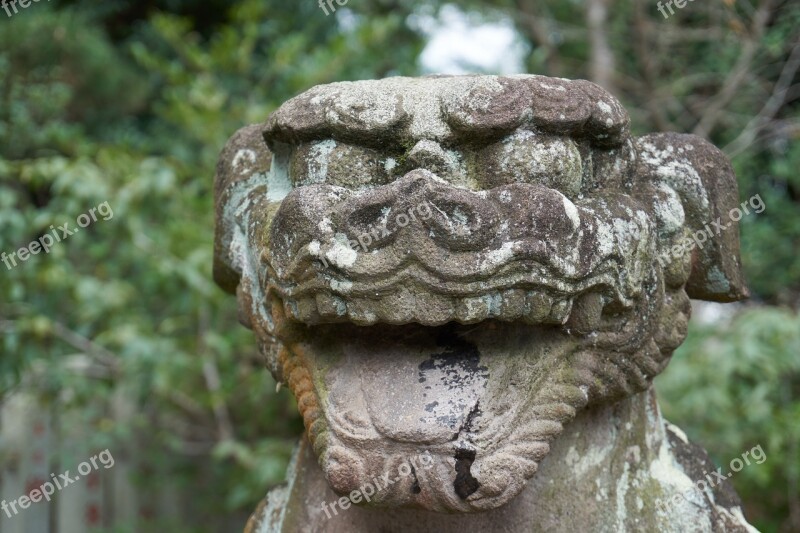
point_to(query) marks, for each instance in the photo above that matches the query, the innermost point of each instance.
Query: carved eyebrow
(360, 113)
(578, 109)
(474, 108)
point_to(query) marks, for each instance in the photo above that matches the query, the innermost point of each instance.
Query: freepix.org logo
(10, 6)
(46, 242)
(60, 482)
(700, 490)
(329, 4)
(711, 230)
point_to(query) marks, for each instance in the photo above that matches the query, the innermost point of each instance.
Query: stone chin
(445, 270)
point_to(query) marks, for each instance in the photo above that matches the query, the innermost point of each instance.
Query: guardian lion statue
(469, 283)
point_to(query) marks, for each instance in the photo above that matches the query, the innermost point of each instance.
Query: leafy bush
(735, 386)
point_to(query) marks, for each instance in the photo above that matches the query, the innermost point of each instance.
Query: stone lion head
(454, 266)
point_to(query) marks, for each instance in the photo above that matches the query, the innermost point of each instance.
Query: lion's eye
(528, 157)
(336, 163)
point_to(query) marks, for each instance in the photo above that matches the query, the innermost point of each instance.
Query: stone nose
(455, 218)
(429, 155)
(461, 220)
(371, 219)
(377, 215)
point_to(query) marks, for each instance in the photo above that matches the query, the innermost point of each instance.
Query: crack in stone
(465, 483)
(415, 488)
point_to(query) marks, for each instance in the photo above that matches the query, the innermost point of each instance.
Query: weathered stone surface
(456, 267)
(603, 474)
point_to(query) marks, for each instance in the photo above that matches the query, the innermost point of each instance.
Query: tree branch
(737, 74)
(644, 57)
(536, 31)
(87, 346)
(780, 92)
(601, 58)
(213, 382)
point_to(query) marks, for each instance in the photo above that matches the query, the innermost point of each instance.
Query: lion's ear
(702, 177)
(244, 157)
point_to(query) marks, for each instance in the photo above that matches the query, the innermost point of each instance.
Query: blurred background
(118, 339)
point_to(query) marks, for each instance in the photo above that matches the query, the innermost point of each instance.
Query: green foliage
(130, 102)
(736, 386)
(128, 303)
(770, 240)
(51, 63)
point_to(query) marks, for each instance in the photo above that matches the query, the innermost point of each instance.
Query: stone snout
(437, 252)
(423, 206)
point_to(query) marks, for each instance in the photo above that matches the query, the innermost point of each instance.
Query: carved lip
(405, 303)
(511, 266)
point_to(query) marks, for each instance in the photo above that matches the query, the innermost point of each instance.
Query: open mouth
(376, 399)
(482, 401)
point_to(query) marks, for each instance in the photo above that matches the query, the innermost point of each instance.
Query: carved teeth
(290, 308)
(537, 307)
(434, 310)
(307, 310)
(512, 304)
(586, 313)
(399, 307)
(494, 300)
(405, 306)
(471, 310)
(330, 306)
(360, 312)
(560, 311)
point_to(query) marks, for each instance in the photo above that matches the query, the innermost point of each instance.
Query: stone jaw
(555, 269)
(596, 477)
(458, 401)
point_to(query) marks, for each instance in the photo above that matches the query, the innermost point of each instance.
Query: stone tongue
(423, 395)
(394, 394)
(424, 386)
(420, 389)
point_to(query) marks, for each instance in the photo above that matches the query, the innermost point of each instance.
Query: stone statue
(466, 280)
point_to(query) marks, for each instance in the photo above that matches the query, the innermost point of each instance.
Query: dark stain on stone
(473, 414)
(465, 484)
(415, 488)
(450, 421)
(459, 361)
(430, 406)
